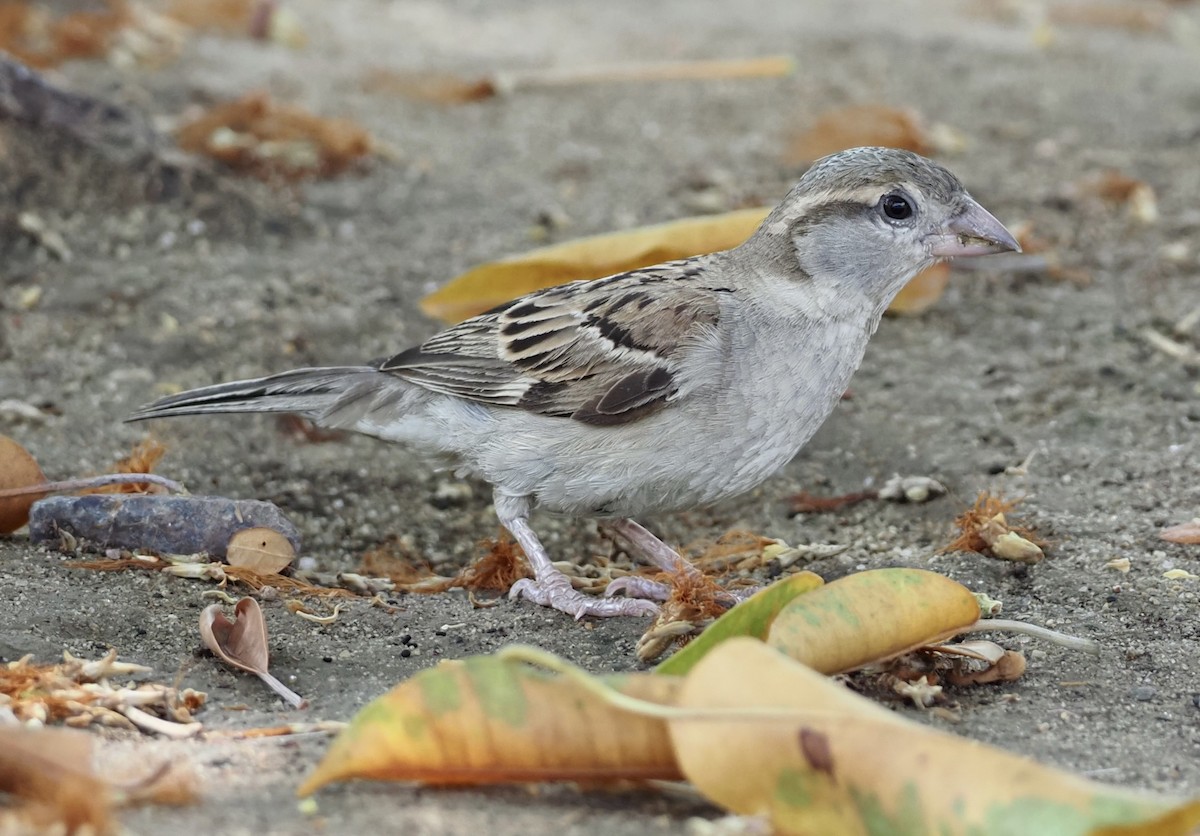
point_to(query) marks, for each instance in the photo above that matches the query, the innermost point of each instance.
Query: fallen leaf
(765, 736)
(440, 88)
(18, 469)
(870, 617)
(484, 720)
(35, 37)
(243, 644)
(1114, 186)
(594, 257)
(752, 617)
(1188, 532)
(272, 141)
(1144, 17)
(850, 127)
(262, 550)
(484, 287)
(141, 459)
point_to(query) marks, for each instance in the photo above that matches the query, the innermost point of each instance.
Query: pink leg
(550, 587)
(645, 545)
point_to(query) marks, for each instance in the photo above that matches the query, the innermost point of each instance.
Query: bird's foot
(635, 586)
(556, 591)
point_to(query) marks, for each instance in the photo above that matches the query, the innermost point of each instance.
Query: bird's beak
(973, 231)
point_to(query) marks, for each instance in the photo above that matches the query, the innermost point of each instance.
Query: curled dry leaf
(263, 550)
(243, 644)
(18, 469)
(1188, 532)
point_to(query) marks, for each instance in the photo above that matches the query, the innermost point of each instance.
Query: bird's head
(869, 219)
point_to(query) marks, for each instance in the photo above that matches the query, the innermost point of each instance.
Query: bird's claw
(558, 593)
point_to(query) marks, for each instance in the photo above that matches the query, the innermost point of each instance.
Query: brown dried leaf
(856, 125)
(33, 36)
(231, 17)
(273, 141)
(242, 644)
(141, 459)
(18, 469)
(50, 769)
(500, 566)
(263, 550)
(1143, 16)
(1188, 532)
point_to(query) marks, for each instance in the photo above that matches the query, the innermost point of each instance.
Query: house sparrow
(659, 389)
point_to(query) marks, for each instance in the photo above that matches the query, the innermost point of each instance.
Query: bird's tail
(313, 393)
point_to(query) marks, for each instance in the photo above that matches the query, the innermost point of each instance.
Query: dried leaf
(272, 141)
(1116, 187)
(488, 285)
(483, 720)
(438, 88)
(18, 469)
(141, 459)
(1144, 17)
(243, 644)
(33, 36)
(849, 127)
(870, 617)
(765, 736)
(231, 17)
(51, 768)
(1188, 532)
(262, 550)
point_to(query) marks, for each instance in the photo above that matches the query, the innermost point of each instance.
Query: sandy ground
(1005, 366)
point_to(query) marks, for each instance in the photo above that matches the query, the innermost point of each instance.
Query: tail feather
(310, 392)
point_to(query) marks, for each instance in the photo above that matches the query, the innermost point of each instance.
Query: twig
(102, 481)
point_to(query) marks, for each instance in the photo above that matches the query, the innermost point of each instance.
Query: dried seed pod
(18, 469)
(264, 550)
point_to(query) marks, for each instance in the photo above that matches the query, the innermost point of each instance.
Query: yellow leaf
(483, 720)
(818, 758)
(871, 616)
(488, 285)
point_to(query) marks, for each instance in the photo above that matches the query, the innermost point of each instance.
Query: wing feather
(603, 352)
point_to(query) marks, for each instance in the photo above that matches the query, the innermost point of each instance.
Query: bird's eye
(896, 206)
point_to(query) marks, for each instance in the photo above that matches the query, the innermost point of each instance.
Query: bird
(660, 389)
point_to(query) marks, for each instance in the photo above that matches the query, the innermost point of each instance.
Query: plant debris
(868, 124)
(260, 137)
(242, 644)
(501, 564)
(50, 771)
(452, 90)
(141, 459)
(18, 469)
(1188, 532)
(79, 693)
(984, 528)
(263, 550)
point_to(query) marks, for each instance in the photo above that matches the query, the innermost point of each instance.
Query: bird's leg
(645, 545)
(550, 587)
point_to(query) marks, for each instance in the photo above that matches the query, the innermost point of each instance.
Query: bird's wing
(602, 352)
